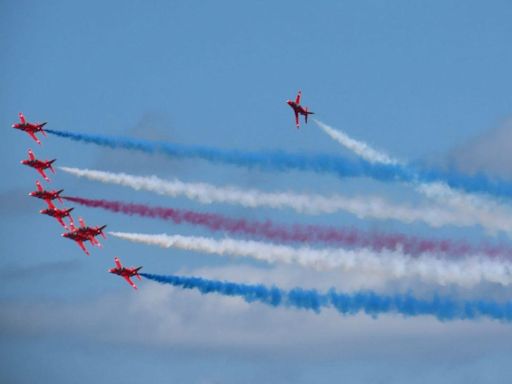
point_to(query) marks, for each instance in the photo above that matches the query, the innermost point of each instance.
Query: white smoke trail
(494, 216)
(388, 264)
(469, 208)
(360, 148)
(367, 207)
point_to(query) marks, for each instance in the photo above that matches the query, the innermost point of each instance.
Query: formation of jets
(79, 234)
(83, 232)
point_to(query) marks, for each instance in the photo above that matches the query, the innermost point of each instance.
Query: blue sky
(420, 80)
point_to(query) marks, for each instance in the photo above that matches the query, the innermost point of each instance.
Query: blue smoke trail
(283, 161)
(368, 302)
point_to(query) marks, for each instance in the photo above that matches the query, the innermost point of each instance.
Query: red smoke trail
(348, 237)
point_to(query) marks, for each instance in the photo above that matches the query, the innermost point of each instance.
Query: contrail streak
(283, 161)
(371, 303)
(347, 237)
(466, 272)
(367, 207)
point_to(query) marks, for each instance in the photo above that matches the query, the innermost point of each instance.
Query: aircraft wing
(94, 241)
(81, 221)
(297, 119)
(59, 219)
(22, 118)
(118, 263)
(297, 100)
(34, 137)
(42, 174)
(50, 203)
(39, 187)
(130, 282)
(81, 245)
(31, 155)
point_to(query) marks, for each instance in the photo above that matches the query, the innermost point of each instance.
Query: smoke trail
(367, 207)
(466, 272)
(360, 148)
(496, 216)
(369, 302)
(283, 161)
(297, 233)
(267, 160)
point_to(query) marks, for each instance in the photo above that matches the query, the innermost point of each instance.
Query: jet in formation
(59, 214)
(125, 272)
(299, 109)
(38, 165)
(30, 128)
(47, 196)
(84, 233)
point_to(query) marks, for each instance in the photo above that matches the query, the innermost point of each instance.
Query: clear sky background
(422, 80)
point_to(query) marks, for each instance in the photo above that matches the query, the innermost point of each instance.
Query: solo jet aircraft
(38, 165)
(299, 109)
(30, 128)
(125, 272)
(47, 196)
(84, 233)
(58, 214)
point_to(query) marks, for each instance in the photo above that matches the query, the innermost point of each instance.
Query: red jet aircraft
(38, 165)
(125, 272)
(30, 128)
(47, 196)
(91, 232)
(299, 109)
(59, 214)
(84, 233)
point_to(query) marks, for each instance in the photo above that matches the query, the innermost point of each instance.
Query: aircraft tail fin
(307, 113)
(137, 272)
(50, 165)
